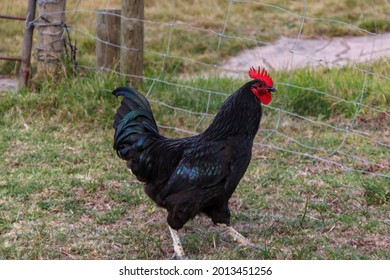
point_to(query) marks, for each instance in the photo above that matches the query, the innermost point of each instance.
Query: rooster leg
(179, 252)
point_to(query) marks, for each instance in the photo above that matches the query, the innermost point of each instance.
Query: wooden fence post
(50, 36)
(132, 40)
(108, 27)
(25, 66)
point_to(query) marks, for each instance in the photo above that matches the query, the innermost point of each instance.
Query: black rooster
(198, 174)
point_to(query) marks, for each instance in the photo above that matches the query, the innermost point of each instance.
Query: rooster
(197, 174)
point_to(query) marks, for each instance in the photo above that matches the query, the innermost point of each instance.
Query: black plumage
(190, 175)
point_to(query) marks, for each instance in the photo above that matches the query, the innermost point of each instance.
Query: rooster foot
(239, 238)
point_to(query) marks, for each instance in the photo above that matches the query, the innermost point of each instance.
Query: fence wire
(342, 154)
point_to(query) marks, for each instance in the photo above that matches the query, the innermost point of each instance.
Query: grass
(64, 194)
(253, 22)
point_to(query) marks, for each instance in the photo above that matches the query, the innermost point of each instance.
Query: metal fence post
(25, 67)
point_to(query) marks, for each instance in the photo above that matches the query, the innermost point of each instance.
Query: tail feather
(132, 100)
(134, 124)
(132, 120)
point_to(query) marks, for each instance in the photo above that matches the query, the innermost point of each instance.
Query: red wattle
(265, 98)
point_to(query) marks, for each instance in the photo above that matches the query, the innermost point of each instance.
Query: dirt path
(286, 52)
(8, 84)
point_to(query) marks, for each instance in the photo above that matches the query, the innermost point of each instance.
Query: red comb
(261, 75)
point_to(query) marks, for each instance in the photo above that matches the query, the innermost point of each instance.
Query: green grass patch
(64, 194)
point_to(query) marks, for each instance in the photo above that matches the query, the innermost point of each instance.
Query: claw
(175, 256)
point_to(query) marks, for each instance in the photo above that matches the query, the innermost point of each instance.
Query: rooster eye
(257, 86)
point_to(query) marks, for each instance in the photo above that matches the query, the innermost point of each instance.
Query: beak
(272, 89)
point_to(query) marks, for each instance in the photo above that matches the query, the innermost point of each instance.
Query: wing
(203, 166)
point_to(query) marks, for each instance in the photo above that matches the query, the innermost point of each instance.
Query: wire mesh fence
(199, 46)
